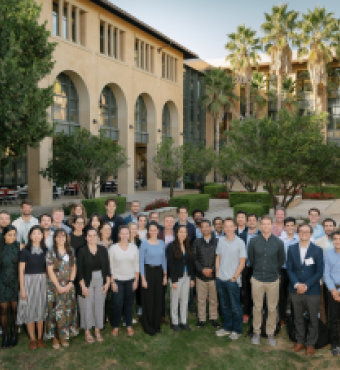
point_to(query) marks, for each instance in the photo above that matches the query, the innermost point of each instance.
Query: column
(139, 54)
(118, 43)
(144, 54)
(105, 41)
(61, 18)
(174, 72)
(112, 41)
(147, 66)
(77, 25)
(165, 66)
(195, 108)
(69, 22)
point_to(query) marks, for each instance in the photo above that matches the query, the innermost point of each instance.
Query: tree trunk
(171, 189)
(279, 90)
(217, 143)
(247, 99)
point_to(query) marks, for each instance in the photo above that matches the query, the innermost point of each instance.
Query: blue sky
(202, 25)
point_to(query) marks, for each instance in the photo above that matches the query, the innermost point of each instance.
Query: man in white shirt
(24, 223)
(45, 221)
(318, 231)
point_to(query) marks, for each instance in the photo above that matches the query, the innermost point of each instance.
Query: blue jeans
(123, 298)
(229, 294)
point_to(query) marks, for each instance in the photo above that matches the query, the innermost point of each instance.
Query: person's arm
(197, 265)
(171, 263)
(290, 267)
(318, 260)
(239, 270)
(142, 250)
(106, 269)
(282, 254)
(136, 264)
(80, 274)
(327, 274)
(164, 265)
(217, 264)
(51, 274)
(22, 266)
(251, 251)
(114, 286)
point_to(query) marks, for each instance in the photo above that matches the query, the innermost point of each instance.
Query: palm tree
(289, 100)
(278, 28)
(258, 91)
(318, 39)
(243, 46)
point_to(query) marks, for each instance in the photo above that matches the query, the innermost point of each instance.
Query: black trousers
(247, 301)
(164, 290)
(334, 307)
(152, 299)
(283, 294)
(138, 293)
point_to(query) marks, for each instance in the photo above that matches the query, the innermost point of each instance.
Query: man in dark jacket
(182, 213)
(204, 256)
(242, 228)
(110, 217)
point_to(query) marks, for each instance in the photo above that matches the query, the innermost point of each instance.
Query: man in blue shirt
(218, 227)
(198, 216)
(318, 231)
(135, 211)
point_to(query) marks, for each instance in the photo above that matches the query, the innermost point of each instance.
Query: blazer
(243, 234)
(191, 230)
(176, 265)
(84, 266)
(301, 273)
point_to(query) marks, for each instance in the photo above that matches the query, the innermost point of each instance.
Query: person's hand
(301, 289)
(209, 273)
(144, 284)
(105, 288)
(174, 286)
(135, 285)
(85, 292)
(205, 272)
(192, 284)
(164, 280)
(233, 279)
(61, 289)
(23, 295)
(114, 287)
(335, 294)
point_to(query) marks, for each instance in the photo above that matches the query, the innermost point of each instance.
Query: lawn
(198, 349)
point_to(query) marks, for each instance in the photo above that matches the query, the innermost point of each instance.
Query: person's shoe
(55, 343)
(130, 332)
(185, 327)
(140, 311)
(282, 323)
(176, 328)
(163, 321)
(335, 350)
(5, 341)
(14, 340)
(298, 347)
(65, 343)
(222, 333)
(310, 351)
(200, 324)
(134, 321)
(245, 319)
(234, 336)
(271, 340)
(255, 339)
(33, 344)
(41, 343)
(214, 323)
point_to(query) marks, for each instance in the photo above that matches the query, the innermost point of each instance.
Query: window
(304, 92)
(141, 135)
(108, 108)
(65, 23)
(144, 54)
(111, 42)
(73, 26)
(169, 67)
(137, 53)
(55, 19)
(102, 39)
(15, 173)
(166, 121)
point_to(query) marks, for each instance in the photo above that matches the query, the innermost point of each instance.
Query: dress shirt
(287, 243)
(64, 227)
(23, 228)
(151, 254)
(217, 236)
(198, 233)
(329, 244)
(168, 239)
(303, 252)
(250, 236)
(318, 232)
(332, 269)
(276, 231)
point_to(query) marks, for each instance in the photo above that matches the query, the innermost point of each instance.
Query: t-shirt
(77, 241)
(96, 264)
(230, 253)
(124, 264)
(35, 262)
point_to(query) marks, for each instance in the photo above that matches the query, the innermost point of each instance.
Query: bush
(156, 204)
(239, 197)
(326, 189)
(214, 189)
(14, 216)
(318, 196)
(197, 185)
(191, 201)
(224, 195)
(98, 205)
(275, 187)
(260, 209)
(67, 208)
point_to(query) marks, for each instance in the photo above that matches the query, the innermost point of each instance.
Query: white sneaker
(222, 333)
(134, 321)
(234, 336)
(140, 311)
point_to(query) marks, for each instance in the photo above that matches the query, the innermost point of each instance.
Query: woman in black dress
(9, 283)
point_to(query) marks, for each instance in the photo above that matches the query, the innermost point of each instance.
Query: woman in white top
(142, 222)
(124, 263)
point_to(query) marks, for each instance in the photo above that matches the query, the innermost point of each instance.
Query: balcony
(141, 137)
(111, 132)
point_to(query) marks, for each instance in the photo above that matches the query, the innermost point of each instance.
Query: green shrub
(215, 189)
(200, 187)
(260, 209)
(14, 216)
(328, 189)
(239, 197)
(98, 205)
(191, 201)
(275, 187)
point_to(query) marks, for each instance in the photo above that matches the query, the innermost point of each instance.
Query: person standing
(5, 220)
(278, 225)
(198, 216)
(124, 264)
(332, 281)
(266, 254)
(314, 217)
(218, 227)
(142, 222)
(58, 220)
(93, 277)
(305, 269)
(9, 284)
(114, 220)
(204, 256)
(182, 213)
(241, 220)
(61, 306)
(153, 272)
(181, 274)
(24, 223)
(77, 236)
(95, 222)
(45, 221)
(135, 212)
(105, 232)
(76, 211)
(154, 216)
(230, 261)
(32, 277)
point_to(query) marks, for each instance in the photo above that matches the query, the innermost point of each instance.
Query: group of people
(57, 276)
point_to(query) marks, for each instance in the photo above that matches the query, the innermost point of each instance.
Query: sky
(202, 25)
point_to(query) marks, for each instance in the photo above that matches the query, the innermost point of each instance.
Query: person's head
(152, 230)
(252, 219)
(26, 208)
(79, 224)
(123, 234)
(206, 228)
(229, 226)
(181, 238)
(142, 221)
(105, 231)
(197, 215)
(61, 241)
(135, 207)
(218, 224)
(57, 216)
(95, 221)
(289, 225)
(77, 210)
(280, 215)
(241, 219)
(169, 222)
(336, 240)
(91, 236)
(133, 230)
(45, 221)
(314, 215)
(329, 226)
(154, 216)
(305, 232)
(5, 219)
(36, 238)
(266, 225)
(9, 234)
(182, 213)
(111, 205)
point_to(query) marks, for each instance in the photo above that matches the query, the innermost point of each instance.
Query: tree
(243, 46)
(167, 164)
(278, 28)
(258, 91)
(282, 152)
(317, 38)
(85, 158)
(25, 58)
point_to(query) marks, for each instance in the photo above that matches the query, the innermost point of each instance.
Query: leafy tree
(258, 92)
(278, 28)
(243, 46)
(167, 164)
(25, 59)
(85, 158)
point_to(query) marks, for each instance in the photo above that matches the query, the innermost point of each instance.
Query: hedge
(192, 185)
(260, 209)
(215, 189)
(239, 197)
(275, 187)
(191, 201)
(98, 205)
(328, 189)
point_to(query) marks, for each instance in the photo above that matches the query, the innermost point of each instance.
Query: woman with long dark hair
(76, 211)
(181, 273)
(9, 283)
(77, 236)
(105, 232)
(61, 308)
(95, 222)
(32, 275)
